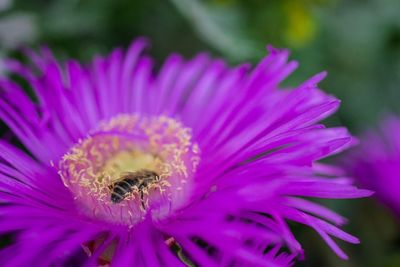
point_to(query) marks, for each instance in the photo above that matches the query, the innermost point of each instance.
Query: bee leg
(142, 199)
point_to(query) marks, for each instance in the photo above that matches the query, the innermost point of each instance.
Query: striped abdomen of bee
(130, 182)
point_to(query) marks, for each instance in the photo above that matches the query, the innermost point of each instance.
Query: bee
(130, 181)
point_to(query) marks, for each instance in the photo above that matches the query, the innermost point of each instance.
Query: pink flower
(200, 163)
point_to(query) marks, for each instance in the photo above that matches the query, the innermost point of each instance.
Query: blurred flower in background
(376, 164)
(301, 25)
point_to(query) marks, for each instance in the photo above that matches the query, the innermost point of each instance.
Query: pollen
(121, 147)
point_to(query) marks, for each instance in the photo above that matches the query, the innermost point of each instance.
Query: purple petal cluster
(257, 169)
(376, 163)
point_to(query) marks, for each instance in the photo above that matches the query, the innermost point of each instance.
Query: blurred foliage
(356, 41)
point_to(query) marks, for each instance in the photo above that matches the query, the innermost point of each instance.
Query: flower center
(131, 166)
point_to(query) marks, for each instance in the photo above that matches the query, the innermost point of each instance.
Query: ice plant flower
(199, 164)
(376, 163)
